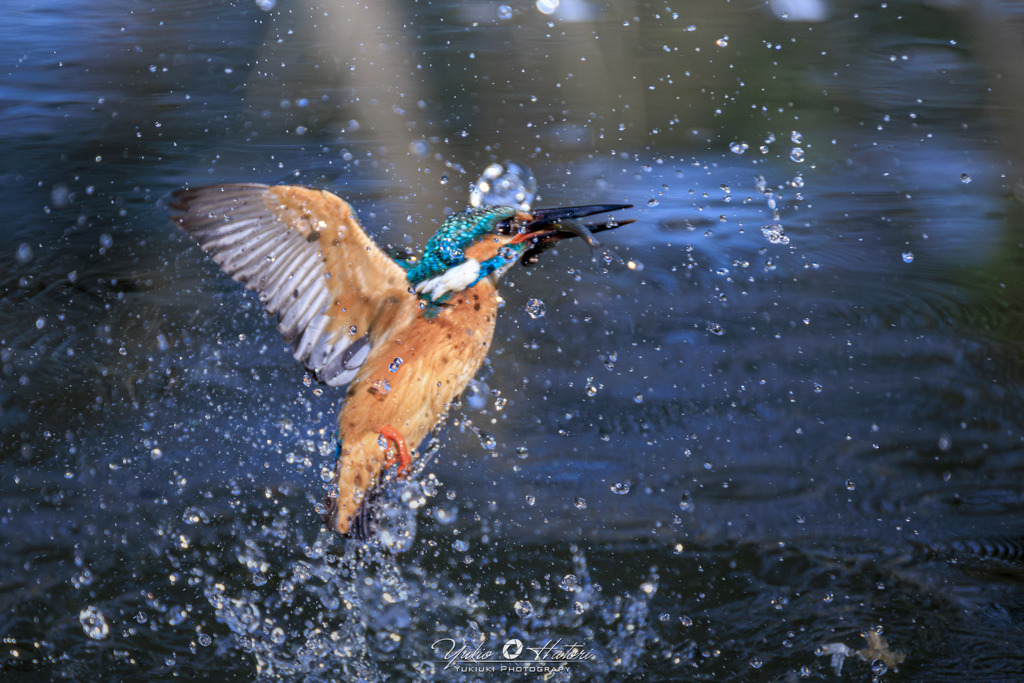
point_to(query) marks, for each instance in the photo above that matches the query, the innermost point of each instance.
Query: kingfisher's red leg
(404, 459)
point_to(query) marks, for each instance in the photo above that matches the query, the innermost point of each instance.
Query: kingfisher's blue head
(485, 242)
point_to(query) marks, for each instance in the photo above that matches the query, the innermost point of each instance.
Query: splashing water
(364, 612)
(94, 623)
(535, 308)
(773, 232)
(508, 183)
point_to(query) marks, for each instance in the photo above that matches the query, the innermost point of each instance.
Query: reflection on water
(783, 427)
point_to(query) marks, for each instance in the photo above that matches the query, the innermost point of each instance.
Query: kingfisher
(405, 335)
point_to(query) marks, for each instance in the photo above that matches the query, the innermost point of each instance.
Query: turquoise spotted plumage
(446, 248)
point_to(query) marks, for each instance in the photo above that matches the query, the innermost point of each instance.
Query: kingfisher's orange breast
(408, 382)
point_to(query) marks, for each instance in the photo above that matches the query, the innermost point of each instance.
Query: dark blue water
(785, 421)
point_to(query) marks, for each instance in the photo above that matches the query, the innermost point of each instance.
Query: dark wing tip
(179, 201)
(182, 200)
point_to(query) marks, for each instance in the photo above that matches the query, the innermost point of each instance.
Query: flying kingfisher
(406, 336)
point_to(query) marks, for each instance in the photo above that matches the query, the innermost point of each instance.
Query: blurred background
(786, 444)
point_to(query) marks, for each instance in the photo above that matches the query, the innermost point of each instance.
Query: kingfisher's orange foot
(404, 459)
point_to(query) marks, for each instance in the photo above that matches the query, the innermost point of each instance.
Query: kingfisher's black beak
(562, 212)
(551, 225)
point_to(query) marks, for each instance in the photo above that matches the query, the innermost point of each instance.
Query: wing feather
(303, 251)
(297, 315)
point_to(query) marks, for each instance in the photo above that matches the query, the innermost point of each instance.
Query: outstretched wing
(306, 255)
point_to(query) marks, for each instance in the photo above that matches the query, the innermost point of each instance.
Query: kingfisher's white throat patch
(454, 279)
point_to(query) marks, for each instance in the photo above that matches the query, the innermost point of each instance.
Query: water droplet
(851, 485)
(504, 183)
(302, 571)
(775, 235)
(878, 667)
(569, 583)
(522, 452)
(106, 241)
(686, 621)
(547, 6)
(723, 41)
(964, 178)
(530, 500)
(908, 257)
(460, 545)
(395, 364)
(475, 395)
(523, 608)
(620, 488)
(82, 578)
(638, 398)
(756, 663)
(504, 12)
(580, 503)
(686, 502)
(204, 639)
(535, 308)
(738, 147)
(419, 148)
(94, 623)
(259, 578)
(796, 154)
(24, 254)
(488, 441)
(818, 388)
(446, 515)
(194, 516)
(382, 386)
(652, 202)
(590, 389)
(796, 137)
(60, 195)
(715, 329)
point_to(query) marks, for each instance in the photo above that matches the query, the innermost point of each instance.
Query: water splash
(535, 308)
(94, 623)
(773, 232)
(342, 610)
(508, 183)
